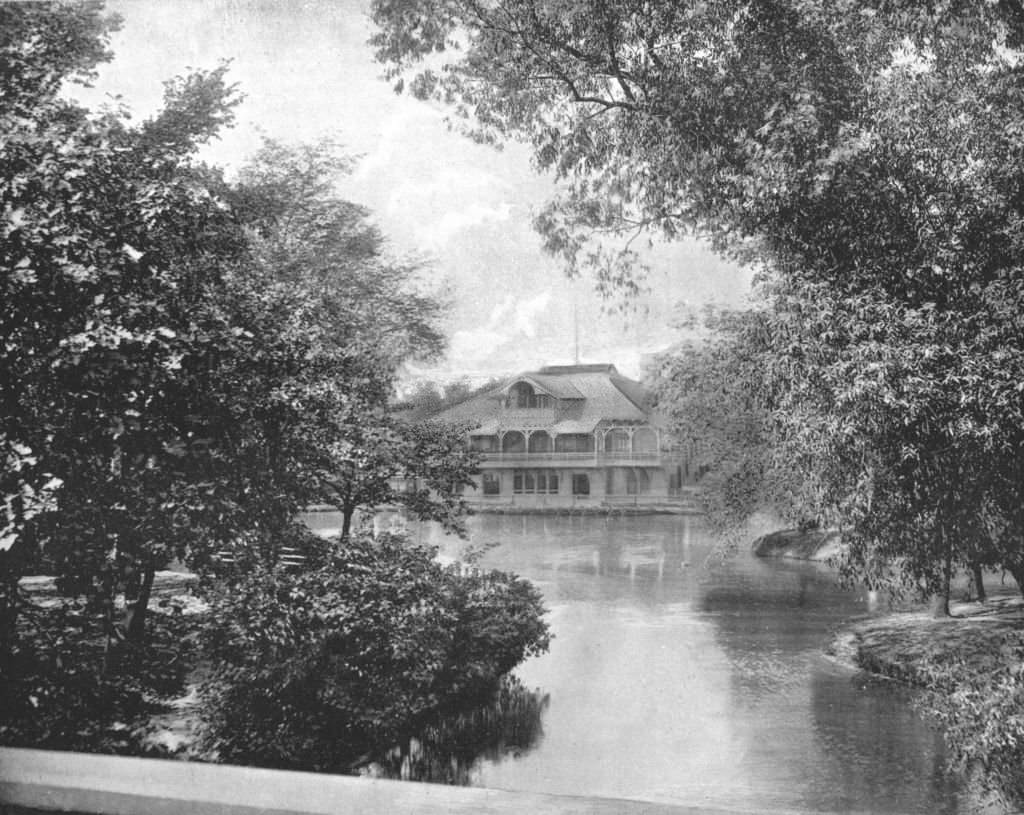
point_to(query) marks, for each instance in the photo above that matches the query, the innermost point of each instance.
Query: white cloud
(437, 234)
(470, 347)
(527, 312)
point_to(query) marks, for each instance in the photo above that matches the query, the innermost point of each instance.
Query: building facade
(571, 435)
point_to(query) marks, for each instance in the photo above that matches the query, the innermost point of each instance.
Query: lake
(678, 676)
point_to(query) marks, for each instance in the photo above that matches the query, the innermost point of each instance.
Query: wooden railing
(595, 457)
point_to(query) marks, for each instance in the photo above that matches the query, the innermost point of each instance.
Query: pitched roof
(593, 394)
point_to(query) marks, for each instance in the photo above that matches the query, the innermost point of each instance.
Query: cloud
(509, 320)
(469, 347)
(437, 234)
(527, 312)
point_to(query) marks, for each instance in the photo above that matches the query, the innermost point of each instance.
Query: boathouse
(566, 435)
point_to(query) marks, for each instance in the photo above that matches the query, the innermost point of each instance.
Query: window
(534, 482)
(616, 441)
(513, 442)
(540, 442)
(574, 443)
(523, 395)
(580, 484)
(492, 484)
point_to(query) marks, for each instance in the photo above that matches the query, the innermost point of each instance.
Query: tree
(866, 155)
(427, 399)
(316, 412)
(306, 235)
(714, 389)
(109, 231)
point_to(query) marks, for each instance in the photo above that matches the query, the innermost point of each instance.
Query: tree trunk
(135, 612)
(8, 615)
(346, 520)
(945, 545)
(114, 636)
(979, 582)
(1017, 570)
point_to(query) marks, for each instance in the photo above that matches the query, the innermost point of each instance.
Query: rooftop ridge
(592, 368)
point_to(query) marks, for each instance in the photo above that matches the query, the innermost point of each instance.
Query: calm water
(675, 676)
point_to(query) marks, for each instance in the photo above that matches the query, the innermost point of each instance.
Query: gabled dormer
(533, 392)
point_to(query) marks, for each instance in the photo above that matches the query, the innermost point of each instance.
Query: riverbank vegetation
(189, 360)
(970, 668)
(866, 159)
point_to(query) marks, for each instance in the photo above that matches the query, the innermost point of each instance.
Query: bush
(319, 669)
(61, 689)
(981, 712)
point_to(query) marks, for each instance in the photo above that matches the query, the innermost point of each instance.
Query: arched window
(645, 440)
(616, 441)
(523, 395)
(540, 442)
(574, 443)
(513, 442)
(631, 482)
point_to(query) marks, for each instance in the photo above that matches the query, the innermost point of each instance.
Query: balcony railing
(594, 457)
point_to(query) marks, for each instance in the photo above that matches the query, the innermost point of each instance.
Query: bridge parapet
(35, 781)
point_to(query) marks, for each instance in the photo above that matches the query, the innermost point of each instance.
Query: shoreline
(597, 510)
(904, 644)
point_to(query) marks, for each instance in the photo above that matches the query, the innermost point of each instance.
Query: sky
(306, 72)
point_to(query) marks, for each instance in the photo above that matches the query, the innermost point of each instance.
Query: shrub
(60, 688)
(320, 668)
(981, 712)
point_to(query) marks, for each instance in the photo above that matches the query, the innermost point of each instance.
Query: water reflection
(450, 751)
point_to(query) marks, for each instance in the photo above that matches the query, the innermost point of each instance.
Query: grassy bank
(970, 668)
(907, 645)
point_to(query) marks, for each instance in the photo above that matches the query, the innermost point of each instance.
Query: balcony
(597, 458)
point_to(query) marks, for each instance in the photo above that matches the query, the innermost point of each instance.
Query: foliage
(59, 691)
(981, 718)
(329, 318)
(316, 668)
(187, 362)
(427, 399)
(711, 389)
(307, 237)
(866, 155)
(109, 231)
